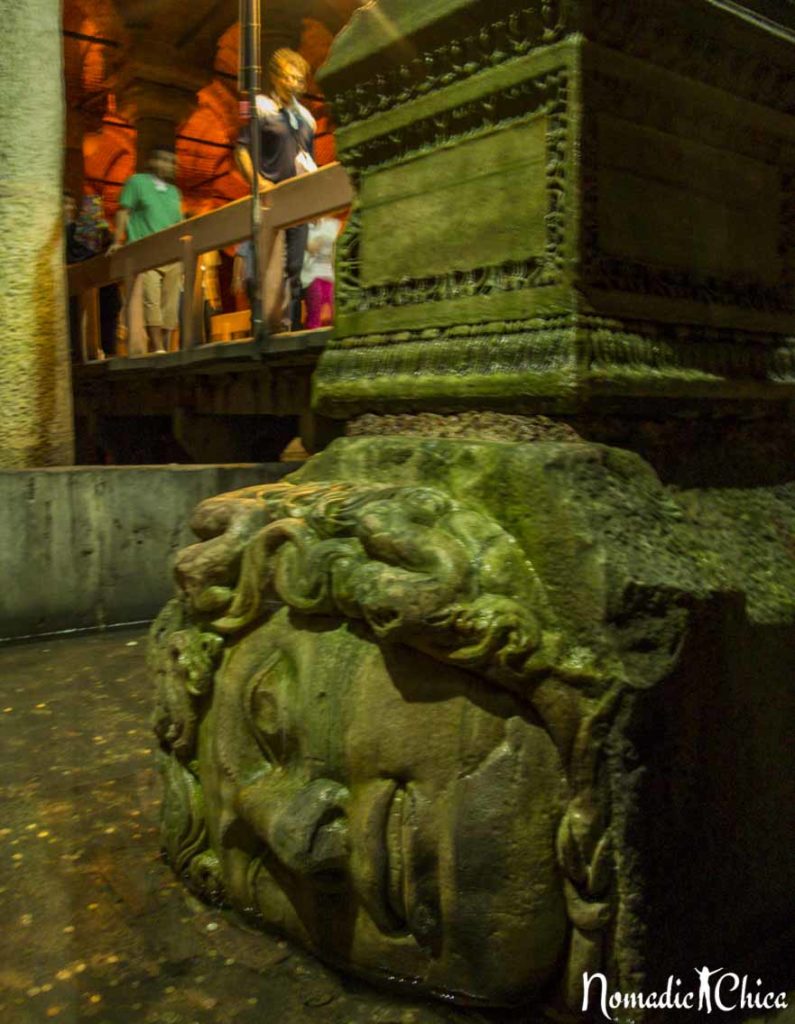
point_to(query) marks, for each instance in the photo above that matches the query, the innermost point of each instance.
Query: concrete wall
(92, 546)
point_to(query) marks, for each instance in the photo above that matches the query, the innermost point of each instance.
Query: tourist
(317, 276)
(151, 202)
(92, 231)
(87, 236)
(77, 239)
(286, 149)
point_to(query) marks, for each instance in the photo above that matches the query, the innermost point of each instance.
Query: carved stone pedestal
(564, 206)
(472, 704)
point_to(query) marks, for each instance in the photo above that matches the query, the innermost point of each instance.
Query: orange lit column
(35, 386)
(78, 125)
(156, 93)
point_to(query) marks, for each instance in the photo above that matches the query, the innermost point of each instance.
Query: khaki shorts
(161, 296)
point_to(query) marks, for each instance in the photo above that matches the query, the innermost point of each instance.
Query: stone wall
(92, 546)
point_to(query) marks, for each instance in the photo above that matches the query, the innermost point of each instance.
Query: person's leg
(153, 315)
(171, 287)
(328, 300)
(296, 245)
(314, 304)
(137, 338)
(156, 336)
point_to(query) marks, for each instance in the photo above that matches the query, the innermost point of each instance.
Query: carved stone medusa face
(392, 813)
(376, 742)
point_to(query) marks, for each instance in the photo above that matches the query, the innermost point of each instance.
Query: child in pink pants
(317, 276)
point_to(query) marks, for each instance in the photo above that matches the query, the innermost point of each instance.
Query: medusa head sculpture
(377, 741)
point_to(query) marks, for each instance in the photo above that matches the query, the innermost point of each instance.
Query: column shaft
(35, 387)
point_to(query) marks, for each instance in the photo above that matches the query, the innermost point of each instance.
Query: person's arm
(244, 165)
(120, 235)
(313, 240)
(323, 237)
(128, 201)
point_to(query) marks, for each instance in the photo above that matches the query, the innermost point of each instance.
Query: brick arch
(109, 159)
(88, 65)
(205, 141)
(102, 13)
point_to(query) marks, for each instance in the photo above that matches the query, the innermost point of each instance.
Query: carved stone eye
(266, 708)
(264, 711)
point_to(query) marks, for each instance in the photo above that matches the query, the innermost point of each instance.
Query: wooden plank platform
(215, 356)
(206, 404)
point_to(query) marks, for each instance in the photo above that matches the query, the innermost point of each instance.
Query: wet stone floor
(94, 925)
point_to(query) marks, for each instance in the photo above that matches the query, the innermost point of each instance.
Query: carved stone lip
(381, 869)
(394, 844)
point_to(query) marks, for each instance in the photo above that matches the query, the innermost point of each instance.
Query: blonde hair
(290, 58)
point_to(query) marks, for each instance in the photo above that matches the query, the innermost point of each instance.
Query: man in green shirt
(151, 202)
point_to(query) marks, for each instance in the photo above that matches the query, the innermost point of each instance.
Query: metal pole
(249, 89)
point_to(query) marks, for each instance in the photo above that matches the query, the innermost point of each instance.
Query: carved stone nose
(308, 832)
(304, 824)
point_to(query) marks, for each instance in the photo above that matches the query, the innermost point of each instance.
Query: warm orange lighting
(93, 59)
(109, 159)
(206, 171)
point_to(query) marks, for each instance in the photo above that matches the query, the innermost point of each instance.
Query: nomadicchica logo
(714, 991)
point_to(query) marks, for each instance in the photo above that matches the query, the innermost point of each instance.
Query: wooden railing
(296, 201)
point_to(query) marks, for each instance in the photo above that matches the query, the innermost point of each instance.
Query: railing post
(190, 321)
(137, 342)
(88, 309)
(272, 281)
(249, 17)
(129, 284)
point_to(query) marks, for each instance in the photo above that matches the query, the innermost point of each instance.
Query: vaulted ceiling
(192, 44)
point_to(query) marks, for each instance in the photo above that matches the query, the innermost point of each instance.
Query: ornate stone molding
(619, 274)
(685, 350)
(687, 46)
(655, 195)
(550, 360)
(640, 30)
(696, 120)
(546, 95)
(494, 330)
(474, 425)
(534, 25)
(513, 275)
(450, 127)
